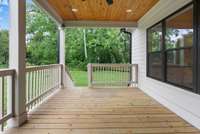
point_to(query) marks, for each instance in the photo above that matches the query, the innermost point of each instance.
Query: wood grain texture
(99, 10)
(103, 111)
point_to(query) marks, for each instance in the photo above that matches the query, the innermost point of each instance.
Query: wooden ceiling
(99, 10)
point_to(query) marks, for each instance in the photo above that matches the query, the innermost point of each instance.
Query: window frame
(196, 44)
(160, 51)
(175, 84)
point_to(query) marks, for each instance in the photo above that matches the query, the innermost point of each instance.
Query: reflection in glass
(179, 30)
(179, 42)
(179, 67)
(155, 38)
(155, 65)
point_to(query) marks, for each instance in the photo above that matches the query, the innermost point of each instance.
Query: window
(155, 38)
(179, 67)
(179, 43)
(154, 51)
(170, 46)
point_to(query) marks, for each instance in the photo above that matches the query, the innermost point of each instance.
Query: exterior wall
(184, 103)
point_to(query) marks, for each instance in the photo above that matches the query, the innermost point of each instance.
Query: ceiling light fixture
(109, 2)
(128, 10)
(74, 10)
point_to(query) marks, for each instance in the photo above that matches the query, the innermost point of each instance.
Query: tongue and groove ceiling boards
(129, 11)
(99, 10)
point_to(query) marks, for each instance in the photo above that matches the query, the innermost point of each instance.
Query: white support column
(62, 45)
(62, 54)
(66, 78)
(17, 53)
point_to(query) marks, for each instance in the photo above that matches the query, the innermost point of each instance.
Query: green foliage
(41, 37)
(4, 48)
(155, 36)
(103, 46)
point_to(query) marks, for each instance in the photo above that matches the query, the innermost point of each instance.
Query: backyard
(83, 45)
(80, 78)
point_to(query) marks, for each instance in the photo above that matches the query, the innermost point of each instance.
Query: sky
(4, 14)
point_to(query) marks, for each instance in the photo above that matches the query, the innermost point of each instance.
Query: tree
(41, 34)
(4, 48)
(103, 46)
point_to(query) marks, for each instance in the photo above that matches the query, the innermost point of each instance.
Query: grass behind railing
(80, 78)
(110, 75)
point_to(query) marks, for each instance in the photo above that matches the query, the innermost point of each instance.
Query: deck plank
(103, 111)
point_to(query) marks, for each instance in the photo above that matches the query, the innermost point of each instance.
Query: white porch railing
(40, 81)
(6, 96)
(112, 75)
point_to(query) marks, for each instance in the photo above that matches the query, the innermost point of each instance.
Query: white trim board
(126, 24)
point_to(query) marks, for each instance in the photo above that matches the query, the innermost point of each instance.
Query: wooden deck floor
(103, 111)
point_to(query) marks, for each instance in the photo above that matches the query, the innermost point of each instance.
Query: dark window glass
(179, 29)
(155, 65)
(155, 38)
(179, 42)
(154, 51)
(179, 67)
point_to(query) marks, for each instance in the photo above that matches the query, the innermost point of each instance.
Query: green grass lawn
(80, 77)
(3, 66)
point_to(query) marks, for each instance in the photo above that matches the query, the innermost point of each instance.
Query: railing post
(17, 54)
(89, 69)
(61, 76)
(130, 74)
(136, 73)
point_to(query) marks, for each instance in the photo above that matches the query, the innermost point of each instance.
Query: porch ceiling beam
(44, 5)
(127, 24)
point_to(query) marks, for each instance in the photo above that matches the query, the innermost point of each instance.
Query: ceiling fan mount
(109, 2)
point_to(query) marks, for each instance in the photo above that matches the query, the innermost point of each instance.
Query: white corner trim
(124, 24)
(44, 5)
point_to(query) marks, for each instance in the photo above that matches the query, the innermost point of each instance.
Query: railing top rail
(111, 65)
(7, 72)
(36, 68)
